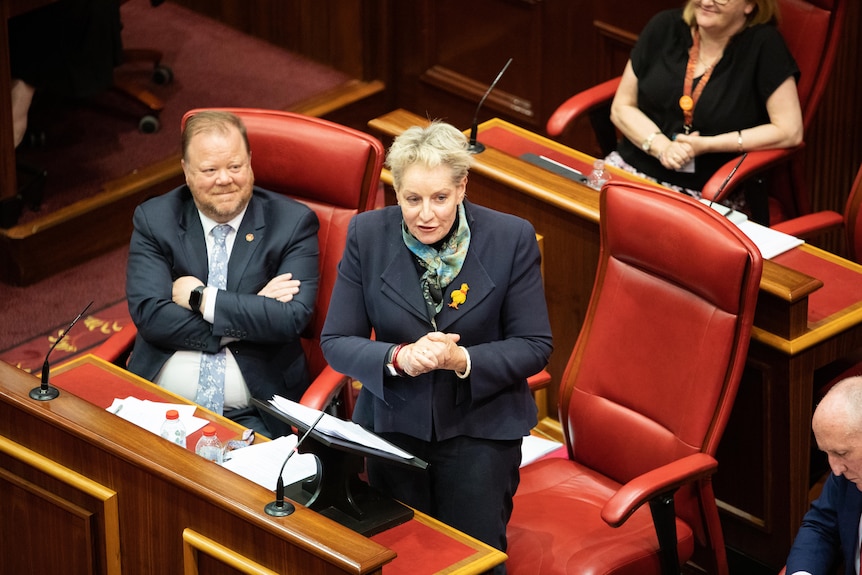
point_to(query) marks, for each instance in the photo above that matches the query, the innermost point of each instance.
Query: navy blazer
(503, 323)
(277, 235)
(829, 531)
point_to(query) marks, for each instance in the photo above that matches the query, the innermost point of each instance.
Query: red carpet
(89, 144)
(92, 329)
(86, 146)
(45, 306)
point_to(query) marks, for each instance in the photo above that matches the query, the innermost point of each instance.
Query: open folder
(341, 448)
(336, 428)
(337, 433)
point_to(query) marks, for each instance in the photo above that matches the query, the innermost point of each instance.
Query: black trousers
(469, 483)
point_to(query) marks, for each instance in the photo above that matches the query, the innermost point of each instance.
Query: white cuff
(208, 310)
(466, 373)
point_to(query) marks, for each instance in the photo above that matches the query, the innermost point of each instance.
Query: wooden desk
(84, 491)
(762, 482)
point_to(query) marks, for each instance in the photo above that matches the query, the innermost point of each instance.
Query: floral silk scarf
(441, 265)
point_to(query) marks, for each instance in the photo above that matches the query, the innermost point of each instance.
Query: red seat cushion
(566, 499)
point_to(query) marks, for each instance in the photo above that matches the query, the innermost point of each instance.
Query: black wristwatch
(391, 370)
(195, 298)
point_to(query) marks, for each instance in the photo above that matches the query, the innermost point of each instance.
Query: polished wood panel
(123, 501)
(77, 512)
(763, 479)
(347, 36)
(163, 490)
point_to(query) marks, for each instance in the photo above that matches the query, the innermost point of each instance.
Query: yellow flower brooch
(459, 296)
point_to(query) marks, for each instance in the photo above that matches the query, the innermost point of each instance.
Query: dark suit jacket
(829, 530)
(277, 235)
(503, 323)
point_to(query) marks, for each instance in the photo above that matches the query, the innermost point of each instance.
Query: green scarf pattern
(441, 266)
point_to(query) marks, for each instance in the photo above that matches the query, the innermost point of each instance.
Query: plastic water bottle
(598, 176)
(173, 429)
(209, 446)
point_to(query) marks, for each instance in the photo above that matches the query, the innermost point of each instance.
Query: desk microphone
(478, 147)
(47, 392)
(727, 179)
(280, 507)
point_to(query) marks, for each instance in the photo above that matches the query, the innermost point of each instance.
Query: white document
(770, 242)
(335, 427)
(534, 448)
(151, 414)
(260, 462)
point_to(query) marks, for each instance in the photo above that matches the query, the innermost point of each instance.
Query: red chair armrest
(539, 381)
(323, 389)
(580, 104)
(118, 346)
(810, 225)
(656, 482)
(754, 163)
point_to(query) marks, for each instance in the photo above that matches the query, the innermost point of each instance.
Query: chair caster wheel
(162, 75)
(149, 124)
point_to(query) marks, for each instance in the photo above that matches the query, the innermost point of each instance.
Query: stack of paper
(151, 414)
(335, 427)
(260, 462)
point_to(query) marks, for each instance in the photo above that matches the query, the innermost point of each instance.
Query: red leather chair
(811, 29)
(333, 169)
(818, 223)
(645, 396)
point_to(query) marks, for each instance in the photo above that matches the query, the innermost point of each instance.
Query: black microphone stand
(280, 507)
(46, 392)
(478, 147)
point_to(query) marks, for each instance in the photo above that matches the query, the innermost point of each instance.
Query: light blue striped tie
(210, 392)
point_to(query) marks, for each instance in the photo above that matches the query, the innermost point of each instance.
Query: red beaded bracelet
(397, 367)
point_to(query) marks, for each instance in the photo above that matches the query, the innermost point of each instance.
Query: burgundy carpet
(94, 327)
(89, 143)
(31, 316)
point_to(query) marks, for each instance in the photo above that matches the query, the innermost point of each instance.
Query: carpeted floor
(40, 310)
(88, 144)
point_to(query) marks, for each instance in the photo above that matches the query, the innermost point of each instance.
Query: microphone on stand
(727, 179)
(477, 147)
(280, 507)
(47, 392)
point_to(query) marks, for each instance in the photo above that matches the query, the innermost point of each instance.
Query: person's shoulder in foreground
(830, 529)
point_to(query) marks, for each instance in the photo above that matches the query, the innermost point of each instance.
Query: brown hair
(765, 12)
(212, 121)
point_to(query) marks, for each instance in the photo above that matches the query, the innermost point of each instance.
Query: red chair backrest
(657, 364)
(333, 169)
(853, 219)
(811, 30)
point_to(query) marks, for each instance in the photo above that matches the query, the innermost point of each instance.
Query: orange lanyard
(688, 100)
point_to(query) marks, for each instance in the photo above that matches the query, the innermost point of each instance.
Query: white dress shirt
(180, 373)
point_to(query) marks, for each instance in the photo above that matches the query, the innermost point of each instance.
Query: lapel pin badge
(459, 296)
(249, 237)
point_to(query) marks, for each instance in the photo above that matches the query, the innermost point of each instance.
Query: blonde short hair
(437, 144)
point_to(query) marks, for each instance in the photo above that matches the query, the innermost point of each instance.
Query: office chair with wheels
(295, 155)
(162, 74)
(645, 396)
(811, 30)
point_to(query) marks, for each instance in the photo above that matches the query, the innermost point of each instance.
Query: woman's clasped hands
(434, 350)
(679, 152)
